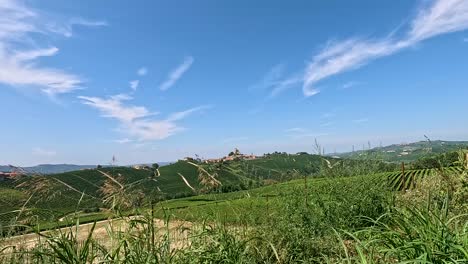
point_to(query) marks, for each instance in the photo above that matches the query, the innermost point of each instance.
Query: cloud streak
(177, 73)
(271, 78)
(137, 121)
(66, 28)
(19, 65)
(134, 84)
(274, 81)
(341, 57)
(183, 114)
(113, 107)
(442, 17)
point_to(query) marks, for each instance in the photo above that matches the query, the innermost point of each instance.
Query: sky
(145, 81)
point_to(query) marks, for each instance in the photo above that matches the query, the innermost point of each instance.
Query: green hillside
(53, 196)
(407, 152)
(308, 217)
(236, 205)
(252, 206)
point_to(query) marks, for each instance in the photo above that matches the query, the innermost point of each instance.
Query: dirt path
(101, 232)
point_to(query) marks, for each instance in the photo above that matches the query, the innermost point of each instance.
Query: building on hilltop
(8, 175)
(213, 160)
(233, 155)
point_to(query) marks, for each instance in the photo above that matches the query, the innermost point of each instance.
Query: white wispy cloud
(285, 85)
(142, 71)
(177, 73)
(43, 152)
(343, 56)
(441, 17)
(137, 122)
(148, 130)
(275, 82)
(20, 52)
(113, 107)
(183, 114)
(34, 54)
(134, 84)
(65, 28)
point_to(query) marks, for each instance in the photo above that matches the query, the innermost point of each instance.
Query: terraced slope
(51, 197)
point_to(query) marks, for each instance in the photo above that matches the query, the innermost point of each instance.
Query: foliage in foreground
(418, 235)
(343, 220)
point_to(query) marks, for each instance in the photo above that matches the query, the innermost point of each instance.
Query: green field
(252, 205)
(82, 191)
(319, 217)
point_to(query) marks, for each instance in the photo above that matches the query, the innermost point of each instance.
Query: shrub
(413, 235)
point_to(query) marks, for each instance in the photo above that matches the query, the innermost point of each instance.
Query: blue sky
(81, 81)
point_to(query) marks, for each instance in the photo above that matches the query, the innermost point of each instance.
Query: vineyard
(308, 217)
(80, 191)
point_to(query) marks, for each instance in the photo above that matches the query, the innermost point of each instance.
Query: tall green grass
(334, 220)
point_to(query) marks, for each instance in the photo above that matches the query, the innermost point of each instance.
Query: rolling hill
(407, 152)
(53, 196)
(57, 168)
(49, 168)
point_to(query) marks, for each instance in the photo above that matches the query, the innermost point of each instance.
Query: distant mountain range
(407, 151)
(50, 168)
(58, 168)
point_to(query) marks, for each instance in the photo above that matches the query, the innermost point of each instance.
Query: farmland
(66, 193)
(406, 152)
(314, 209)
(233, 132)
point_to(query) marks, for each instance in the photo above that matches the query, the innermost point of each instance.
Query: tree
(155, 170)
(237, 152)
(318, 148)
